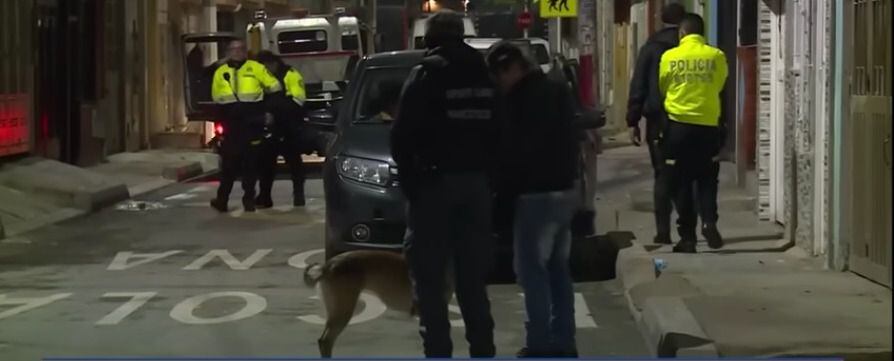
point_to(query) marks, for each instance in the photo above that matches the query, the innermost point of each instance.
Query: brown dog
(343, 277)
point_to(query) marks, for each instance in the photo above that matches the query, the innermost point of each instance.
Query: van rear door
(202, 53)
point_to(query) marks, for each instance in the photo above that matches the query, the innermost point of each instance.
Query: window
(541, 54)
(379, 89)
(304, 41)
(350, 42)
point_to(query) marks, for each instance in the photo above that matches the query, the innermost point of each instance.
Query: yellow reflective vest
(691, 77)
(246, 84)
(294, 84)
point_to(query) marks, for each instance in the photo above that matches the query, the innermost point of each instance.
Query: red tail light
(218, 129)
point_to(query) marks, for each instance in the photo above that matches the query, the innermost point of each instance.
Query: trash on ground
(137, 206)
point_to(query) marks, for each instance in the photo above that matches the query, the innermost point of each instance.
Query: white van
(321, 48)
(418, 33)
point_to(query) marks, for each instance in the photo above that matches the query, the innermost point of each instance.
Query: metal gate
(870, 110)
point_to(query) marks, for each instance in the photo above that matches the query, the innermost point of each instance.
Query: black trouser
(238, 158)
(706, 196)
(690, 152)
(449, 227)
(240, 150)
(288, 147)
(661, 196)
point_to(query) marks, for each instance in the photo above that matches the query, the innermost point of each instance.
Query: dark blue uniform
(442, 142)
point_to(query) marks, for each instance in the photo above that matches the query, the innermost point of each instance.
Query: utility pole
(370, 13)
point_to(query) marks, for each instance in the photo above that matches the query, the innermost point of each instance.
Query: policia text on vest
(691, 77)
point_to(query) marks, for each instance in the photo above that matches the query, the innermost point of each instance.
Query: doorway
(55, 133)
(870, 153)
(776, 109)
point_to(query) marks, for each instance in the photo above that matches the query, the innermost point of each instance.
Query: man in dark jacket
(646, 101)
(442, 138)
(539, 167)
(286, 135)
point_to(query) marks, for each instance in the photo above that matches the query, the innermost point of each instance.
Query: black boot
(685, 247)
(298, 199)
(248, 204)
(687, 242)
(662, 238)
(219, 205)
(715, 240)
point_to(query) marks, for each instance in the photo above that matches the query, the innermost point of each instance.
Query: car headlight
(364, 170)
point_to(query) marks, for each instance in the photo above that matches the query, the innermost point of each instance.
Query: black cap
(673, 13)
(445, 27)
(504, 54)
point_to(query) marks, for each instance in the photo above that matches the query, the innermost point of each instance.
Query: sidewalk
(35, 192)
(755, 297)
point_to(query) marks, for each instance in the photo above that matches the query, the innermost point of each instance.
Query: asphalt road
(174, 278)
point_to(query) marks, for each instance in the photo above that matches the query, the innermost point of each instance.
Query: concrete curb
(29, 177)
(666, 324)
(182, 172)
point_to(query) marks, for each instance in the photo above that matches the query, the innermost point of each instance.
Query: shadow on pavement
(592, 258)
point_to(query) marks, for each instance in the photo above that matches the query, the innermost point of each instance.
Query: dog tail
(312, 274)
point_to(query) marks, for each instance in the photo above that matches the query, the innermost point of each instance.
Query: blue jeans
(542, 249)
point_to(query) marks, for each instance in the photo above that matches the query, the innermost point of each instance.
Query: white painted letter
(228, 258)
(458, 322)
(582, 316)
(183, 311)
(120, 262)
(137, 300)
(299, 261)
(27, 303)
(372, 308)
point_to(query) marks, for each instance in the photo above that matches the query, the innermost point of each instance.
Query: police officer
(239, 86)
(287, 130)
(646, 101)
(691, 77)
(442, 141)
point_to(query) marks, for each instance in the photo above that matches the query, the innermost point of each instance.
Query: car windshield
(379, 93)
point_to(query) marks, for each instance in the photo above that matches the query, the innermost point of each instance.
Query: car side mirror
(590, 118)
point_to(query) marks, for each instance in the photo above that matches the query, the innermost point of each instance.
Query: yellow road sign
(558, 8)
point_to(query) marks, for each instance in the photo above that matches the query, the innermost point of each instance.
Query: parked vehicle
(325, 49)
(364, 205)
(537, 48)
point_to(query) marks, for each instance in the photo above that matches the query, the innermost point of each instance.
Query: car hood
(370, 141)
